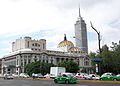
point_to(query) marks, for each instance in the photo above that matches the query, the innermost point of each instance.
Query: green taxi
(65, 78)
(110, 77)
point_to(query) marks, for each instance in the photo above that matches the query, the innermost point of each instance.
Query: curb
(33, 79)
(98, 81)
(79, 81)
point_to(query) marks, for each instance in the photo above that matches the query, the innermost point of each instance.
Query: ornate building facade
(36, 51)
(26, 50)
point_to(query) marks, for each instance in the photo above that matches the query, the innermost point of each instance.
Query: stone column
(19, 64)
(23, 64)
(54, 60)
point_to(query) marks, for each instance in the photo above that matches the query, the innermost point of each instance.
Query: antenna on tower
(79, 13)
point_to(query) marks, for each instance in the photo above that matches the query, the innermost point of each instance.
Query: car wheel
(55, 81)
(114, 79)
(101, 79)
(67, 82)
(75, 82)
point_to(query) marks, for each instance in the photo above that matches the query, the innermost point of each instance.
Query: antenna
(79, 12)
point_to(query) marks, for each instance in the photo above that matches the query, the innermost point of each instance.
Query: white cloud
(56, 17)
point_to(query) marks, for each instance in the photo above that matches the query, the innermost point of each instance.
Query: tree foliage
(38, 67)
(70, 66)
(110, 58)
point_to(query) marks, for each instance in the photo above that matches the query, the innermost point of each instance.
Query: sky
(51, 19)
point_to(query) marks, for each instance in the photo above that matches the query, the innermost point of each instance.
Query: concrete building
(81, 34)
(26, 50)
(16, 61)
(27, 43)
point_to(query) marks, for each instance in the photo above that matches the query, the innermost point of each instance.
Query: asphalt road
(48, 83)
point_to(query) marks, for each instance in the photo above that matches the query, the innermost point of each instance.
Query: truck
(55, 71)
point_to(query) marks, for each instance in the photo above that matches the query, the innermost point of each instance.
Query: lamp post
(99, 39)
(97, 60)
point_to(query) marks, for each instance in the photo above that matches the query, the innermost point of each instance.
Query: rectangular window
(17, 61)
(43, 45)
(28, 44)
(35, 44)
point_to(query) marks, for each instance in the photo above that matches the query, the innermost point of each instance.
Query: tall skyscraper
(81, 34)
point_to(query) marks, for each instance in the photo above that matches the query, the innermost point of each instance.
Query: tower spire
(79, 12)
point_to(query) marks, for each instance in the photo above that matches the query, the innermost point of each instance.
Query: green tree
(116, 57)
(92, 55)
(70, 66)
(106, 65)
(110, 58)
(38, 67)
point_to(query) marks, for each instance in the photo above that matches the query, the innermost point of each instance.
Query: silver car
(8, 76)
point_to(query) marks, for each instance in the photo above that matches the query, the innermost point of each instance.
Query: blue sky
(51, 19)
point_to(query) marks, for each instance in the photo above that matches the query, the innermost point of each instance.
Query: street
(48, 83)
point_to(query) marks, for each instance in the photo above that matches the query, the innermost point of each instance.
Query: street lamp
(98, 33)
(97, 60)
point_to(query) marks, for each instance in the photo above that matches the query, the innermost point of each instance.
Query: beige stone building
(25, 50)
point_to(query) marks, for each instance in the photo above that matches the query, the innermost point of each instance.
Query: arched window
(35, 58)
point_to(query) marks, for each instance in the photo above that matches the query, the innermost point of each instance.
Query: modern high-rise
(81, 34)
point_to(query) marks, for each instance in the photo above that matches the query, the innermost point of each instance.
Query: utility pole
(97, 59)
(99, 39)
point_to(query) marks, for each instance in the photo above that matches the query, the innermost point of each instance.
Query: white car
(24, 75)
(49, 76)
(8, 76)
(94, 76)
(38, 75)
(15, 75)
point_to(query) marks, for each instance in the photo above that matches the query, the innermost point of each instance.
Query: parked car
(118, 77)
(94, 77)
(65, 78)
(8, 76)
(38, 75)
(109, 76)
(82, 76)
(15, 75)
(24, 75)
(49, 76)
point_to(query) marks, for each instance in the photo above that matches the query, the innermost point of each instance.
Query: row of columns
(24, 59)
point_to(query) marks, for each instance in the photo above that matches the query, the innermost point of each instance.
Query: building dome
(65, 43)
(75, 49)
